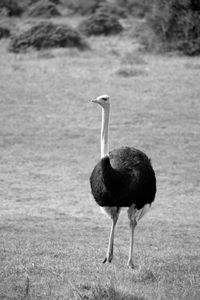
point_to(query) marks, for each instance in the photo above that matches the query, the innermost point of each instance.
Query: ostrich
(123, 177)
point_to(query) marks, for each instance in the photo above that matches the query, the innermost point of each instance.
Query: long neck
(104, 132)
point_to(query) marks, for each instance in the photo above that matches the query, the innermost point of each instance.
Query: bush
(11, 7)
(84, 7)
(44, 9)
(112, 9)
(4, 32)
(26, 4)
(101, 23)
(56, 2)
(137, 8)
(47, 35)
(176, 25)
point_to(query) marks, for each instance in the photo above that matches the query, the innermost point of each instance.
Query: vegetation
(167, 25)
(43, 9)
(56, 2)
(101, 22)
(112, 9)
(4, 32)
(47, 35)
(136, 8)
(176, 25)
(53, 237)
(84, 7)
(10, 8)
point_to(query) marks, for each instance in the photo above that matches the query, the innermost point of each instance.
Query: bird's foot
(131, 265)
(108, 258)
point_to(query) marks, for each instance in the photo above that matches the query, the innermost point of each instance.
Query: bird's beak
(94, 100)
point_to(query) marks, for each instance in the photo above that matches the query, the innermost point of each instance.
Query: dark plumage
(123, 178)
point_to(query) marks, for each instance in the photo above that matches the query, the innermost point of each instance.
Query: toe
(105, 260)
(131, 265)
(108, 259)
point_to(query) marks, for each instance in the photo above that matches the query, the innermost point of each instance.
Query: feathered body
(124, 178)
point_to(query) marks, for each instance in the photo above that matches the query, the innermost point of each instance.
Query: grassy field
(53, 236)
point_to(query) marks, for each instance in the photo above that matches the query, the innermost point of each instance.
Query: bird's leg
(109, 255)
(114, 215)
(130, 263)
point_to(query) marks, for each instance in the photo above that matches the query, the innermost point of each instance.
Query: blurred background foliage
(167, 25)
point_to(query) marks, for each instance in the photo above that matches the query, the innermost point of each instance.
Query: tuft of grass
(103, 292)
(20, 291)
(45, 54)
(132, 58)
(128, 71)
(192, 66)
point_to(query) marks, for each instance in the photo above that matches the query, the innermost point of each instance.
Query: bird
(122, 178)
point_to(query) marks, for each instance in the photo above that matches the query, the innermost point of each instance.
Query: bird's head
(102, 100)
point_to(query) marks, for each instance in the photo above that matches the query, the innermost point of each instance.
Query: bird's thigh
(111, 211)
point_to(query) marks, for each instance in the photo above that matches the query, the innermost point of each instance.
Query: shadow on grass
(99, 292)
(127, 71)
(20, 292)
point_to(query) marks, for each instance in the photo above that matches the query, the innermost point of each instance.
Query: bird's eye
(104, 99)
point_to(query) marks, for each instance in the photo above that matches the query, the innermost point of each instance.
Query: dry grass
(131, 72)
(52, 235)
(133, 58)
